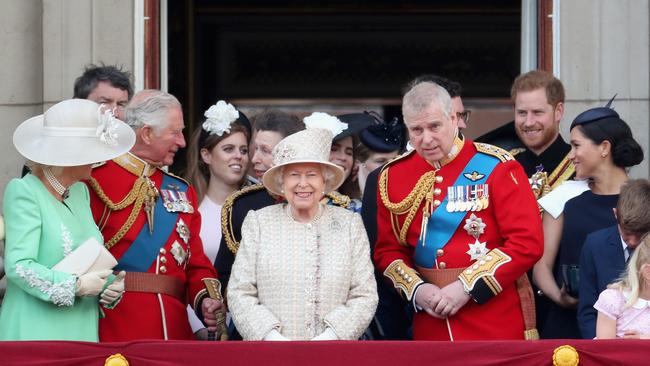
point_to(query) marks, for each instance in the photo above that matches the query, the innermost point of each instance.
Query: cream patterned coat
(301, 278)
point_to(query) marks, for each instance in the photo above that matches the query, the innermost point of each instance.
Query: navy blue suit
(602, 261)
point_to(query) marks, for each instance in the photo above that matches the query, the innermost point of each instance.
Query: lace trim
(61, 294)
(66, 237)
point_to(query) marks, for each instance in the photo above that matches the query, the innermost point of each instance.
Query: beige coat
(301, 278)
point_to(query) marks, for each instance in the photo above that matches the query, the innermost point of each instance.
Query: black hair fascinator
(383, 136)
(596, 114)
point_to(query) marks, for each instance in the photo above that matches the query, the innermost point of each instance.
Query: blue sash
(145, 248)
(443, 224)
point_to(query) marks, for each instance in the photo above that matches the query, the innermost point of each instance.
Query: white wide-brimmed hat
(71, 133)
(311, 145)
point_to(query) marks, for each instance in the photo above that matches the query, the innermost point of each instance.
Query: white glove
(327, 335)
(274, 335)
(114, 291)
(91, 284)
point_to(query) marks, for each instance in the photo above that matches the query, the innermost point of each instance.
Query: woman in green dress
(47, 215)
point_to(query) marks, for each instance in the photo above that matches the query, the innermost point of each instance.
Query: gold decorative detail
(141, 190)
(517, 150)
(485, 270)
(562, 172)
(565, 356)
(339, 199)
(404, 277)
(226, 215)
(116, 360)
(531, 334)
(408, 205)
(492, 150)
(213, 287)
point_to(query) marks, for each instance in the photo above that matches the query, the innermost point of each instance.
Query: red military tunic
(149, 315)
(512, 233)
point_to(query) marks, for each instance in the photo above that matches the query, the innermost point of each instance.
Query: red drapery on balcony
(606, 352)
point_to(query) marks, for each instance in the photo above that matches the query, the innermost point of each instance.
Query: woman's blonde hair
(632, 279)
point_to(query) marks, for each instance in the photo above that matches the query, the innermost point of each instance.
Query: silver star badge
(477, 250)
(474, 226)
(183, 231)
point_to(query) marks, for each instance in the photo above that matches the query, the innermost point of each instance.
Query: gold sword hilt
(213, 287)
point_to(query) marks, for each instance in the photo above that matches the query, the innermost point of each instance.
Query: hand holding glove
(114, 291)
(91, 283)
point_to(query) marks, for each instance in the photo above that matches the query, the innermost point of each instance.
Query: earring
(604, 155)
(281, 190)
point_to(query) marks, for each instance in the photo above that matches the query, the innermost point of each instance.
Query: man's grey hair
(150, 107)
(423, 95)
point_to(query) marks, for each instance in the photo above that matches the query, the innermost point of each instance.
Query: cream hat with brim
(311, 145)
(71, 133)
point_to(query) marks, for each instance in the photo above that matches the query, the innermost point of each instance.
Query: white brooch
(474, 226)
(219, 118)
(326, 122)
(107, 126)
(285, 153)
(179, 254)
(477, 250)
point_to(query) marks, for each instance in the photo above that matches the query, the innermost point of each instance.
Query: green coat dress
(40, 231)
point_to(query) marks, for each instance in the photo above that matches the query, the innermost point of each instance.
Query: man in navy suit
(605, 252)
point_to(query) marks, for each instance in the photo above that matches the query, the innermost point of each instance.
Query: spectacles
(464, 115)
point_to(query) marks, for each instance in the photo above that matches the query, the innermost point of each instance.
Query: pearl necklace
(56, 185)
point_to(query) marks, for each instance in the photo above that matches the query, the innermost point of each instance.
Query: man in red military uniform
(458, 227)
(151, 223)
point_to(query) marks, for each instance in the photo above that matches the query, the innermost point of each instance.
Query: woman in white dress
(217, 165)
(303, 269)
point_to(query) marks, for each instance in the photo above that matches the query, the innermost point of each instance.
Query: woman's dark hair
(350, 186)
(626, 151)
(198, 172)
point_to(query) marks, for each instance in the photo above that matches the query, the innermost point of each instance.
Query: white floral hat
(73, 132)
(311, 145)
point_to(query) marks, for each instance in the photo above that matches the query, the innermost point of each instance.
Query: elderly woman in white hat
(303, 269)
(47, 217)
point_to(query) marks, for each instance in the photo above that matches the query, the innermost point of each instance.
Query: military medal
(477, 250)
(150, 195)
(183, 231)
(179, 254)
(451, 204)
(474, 226)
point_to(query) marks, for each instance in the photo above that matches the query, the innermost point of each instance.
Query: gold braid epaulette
(136, 197)
(339, 199)
(226, 215)
(409, 204)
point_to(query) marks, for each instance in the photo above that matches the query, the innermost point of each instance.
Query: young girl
(624, 308)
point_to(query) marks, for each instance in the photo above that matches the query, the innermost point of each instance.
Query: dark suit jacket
(602, 261)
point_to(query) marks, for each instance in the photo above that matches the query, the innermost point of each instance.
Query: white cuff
(274, 335)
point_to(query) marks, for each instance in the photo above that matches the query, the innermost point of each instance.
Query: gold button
(436, 203)
(163, 251)
(437, 191)
(438, 179)
(163, 260)
(440, 252)
(442, 265)
(409, 280)
(163, 269)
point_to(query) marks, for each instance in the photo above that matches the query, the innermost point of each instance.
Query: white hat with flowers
(73, 132)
